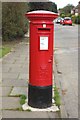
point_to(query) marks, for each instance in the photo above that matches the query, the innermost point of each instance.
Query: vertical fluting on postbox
(41, 58)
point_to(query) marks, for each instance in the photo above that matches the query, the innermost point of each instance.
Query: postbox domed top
(41, 12)
(41, 15)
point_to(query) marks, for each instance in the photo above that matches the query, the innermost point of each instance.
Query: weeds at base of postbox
(17, 109)
(22, 99)
(57, 97)
(29, 110)
(14, 109)
(22, 102)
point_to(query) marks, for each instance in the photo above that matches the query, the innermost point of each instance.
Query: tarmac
(66, 70)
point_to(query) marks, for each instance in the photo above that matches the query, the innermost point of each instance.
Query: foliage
(4, 51)
(76, 19)
(50, 6)
(14, 23)
(62, 15)
(69, 15)
(13, 20)
(29, 110)
(73, 18)
(57, 97)
(22, 99)
(66, 11)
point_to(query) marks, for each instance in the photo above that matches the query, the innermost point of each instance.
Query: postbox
(41, 58)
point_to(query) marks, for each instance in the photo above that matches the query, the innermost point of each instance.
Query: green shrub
(68, 15)
(62, 15)
(77, 20)
(14, 23)
(73, 18)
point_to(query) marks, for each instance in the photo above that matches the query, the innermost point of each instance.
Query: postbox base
(40, 97)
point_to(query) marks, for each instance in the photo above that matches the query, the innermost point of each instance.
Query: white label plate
(43, 43)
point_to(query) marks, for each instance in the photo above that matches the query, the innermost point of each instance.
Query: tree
(67, 9)
(50, 6)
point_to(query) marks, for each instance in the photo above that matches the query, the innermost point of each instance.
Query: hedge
(14, 23)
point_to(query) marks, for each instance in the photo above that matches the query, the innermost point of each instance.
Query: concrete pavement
(15, 76)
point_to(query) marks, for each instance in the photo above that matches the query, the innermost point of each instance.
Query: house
(73, 11)
(76, 10)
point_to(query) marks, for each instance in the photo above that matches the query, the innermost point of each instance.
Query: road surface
(66, 59)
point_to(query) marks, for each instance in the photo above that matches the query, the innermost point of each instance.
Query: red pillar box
(41, 58)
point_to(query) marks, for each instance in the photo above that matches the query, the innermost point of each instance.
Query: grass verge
(4, 51)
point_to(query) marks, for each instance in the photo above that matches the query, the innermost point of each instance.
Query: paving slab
(0, 69)
(17, 63)
(6, 69)
(23, 76)
(25, 66)
(10, 75)
(10, 103)
(6, 91)
(11, 65)
(16, 91)
(4, 66)
(0, 115)
(9, 57)
(25, 114)
(20, 59)
(8, 61)
(54, 115)
(0, 83)
(0, 76)
(0, 91)
(15, 69)
(25, 70)
(14, 82)
(0, 103)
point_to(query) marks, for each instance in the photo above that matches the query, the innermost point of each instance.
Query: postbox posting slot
(43, 29)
